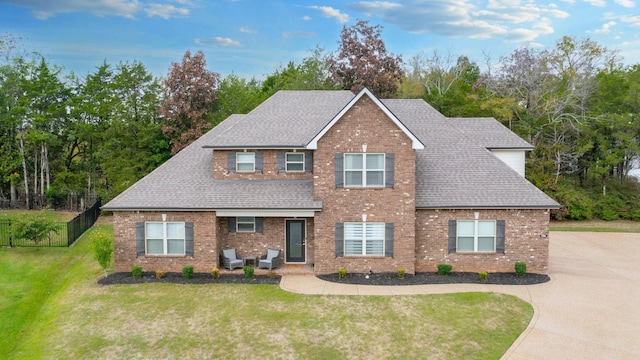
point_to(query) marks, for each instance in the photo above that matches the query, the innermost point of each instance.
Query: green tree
(235, 95)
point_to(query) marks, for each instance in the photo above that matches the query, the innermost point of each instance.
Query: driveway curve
(589, 310)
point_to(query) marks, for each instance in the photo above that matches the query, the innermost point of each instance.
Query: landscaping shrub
(159, 274)
(444, 269)
(401, 273)
(215, 273)
(271, 274)
(521, 268)
(342, 272)
(136, 272)
(483, 275)
(248, 272)
(187, 272)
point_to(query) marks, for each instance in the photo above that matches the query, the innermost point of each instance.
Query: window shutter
(232, 224)
(388, 170)
(258, 159)
(259, 221)
(339, 239)
(388, 239)
(281, 165)
(500, 235)
(452, 236)
(231, 162)
(139, 239)
(308, 162)
(188, 239)
(339, 170)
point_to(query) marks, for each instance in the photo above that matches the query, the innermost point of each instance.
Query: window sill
(364, 256)
(166, 256)
(476, 252)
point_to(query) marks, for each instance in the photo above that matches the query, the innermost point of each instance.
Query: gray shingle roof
(490, 133)
(452, 171)
(286, 119)
(456, 170)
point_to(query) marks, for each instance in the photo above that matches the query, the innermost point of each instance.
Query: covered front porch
(252, 232)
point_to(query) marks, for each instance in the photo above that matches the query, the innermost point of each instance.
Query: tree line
(99, 133)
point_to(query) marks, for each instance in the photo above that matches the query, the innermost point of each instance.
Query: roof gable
(415, 142)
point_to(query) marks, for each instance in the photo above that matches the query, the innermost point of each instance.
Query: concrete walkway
(589, 310)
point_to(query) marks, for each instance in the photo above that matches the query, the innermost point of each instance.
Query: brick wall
(205, 244)
(522, 241)
(269, 167)
(211, 235)
(366, 124)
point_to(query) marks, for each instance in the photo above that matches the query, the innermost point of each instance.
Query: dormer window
(245, 162)
(294, 162)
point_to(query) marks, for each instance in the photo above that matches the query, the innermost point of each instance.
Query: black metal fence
(65, 235)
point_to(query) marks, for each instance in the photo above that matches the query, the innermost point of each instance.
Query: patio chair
(270, 260)
(230, 259)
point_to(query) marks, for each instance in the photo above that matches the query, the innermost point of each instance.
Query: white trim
(265, 213)
(416, 144)
(284, 256)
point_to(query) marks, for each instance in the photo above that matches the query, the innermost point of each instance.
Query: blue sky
(253, 37)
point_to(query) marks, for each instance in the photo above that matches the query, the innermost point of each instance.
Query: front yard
(51, 307)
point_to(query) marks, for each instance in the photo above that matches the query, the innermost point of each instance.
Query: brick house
(336, 179)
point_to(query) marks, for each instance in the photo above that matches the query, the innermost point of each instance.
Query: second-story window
(294, 162)
(246, 162)
(364, 170)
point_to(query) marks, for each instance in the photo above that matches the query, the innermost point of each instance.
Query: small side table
(254, 259)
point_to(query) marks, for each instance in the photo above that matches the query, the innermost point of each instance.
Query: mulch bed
(499, 278)
(176, 278)
(359, 279)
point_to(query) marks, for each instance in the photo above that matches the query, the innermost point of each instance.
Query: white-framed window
(476, 236)
(245, 224)
(366, 170)
(364, 239)
(165, 238)
(245, 162)
(294, 162)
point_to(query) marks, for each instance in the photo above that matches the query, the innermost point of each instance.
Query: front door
(295, 241)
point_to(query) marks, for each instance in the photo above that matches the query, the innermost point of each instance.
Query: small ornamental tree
(102, 246)
(35, 228)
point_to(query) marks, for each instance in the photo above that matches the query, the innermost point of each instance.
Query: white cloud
(598, 3)
(247, 30)
(44, 9)
(306, 18)
(625, 3)
(165, 11)
(513, 20)
(631, 20)
(221, 41)
(605, 29)
(329, 12)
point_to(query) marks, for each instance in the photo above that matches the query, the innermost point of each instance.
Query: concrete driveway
(589, 310)
(591, 307)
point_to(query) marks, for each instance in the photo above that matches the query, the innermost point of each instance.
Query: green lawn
(596, 226)
(51, 307)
